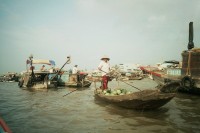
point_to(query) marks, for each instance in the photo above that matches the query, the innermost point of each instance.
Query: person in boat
(51, 70)
(104, 67)
(42, 68)
(75, 71)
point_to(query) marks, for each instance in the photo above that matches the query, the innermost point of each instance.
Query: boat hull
(4, 127)
(142, 100)
(187, 84)
(75, 84)
(74, 80)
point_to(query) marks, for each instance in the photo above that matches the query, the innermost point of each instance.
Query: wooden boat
(74, 80)
(135, 78)
(9, 77)
(4, 127)
(39, 79)
(188, 72)
(142, 100)
(43, 78)
(160, 76)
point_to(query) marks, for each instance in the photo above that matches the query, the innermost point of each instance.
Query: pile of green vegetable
(115, 92)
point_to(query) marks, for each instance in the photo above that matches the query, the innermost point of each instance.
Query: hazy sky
(128, 31)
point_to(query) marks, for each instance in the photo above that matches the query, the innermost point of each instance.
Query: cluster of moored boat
(9, 77)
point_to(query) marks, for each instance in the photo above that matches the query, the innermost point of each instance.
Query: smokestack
(191, 43)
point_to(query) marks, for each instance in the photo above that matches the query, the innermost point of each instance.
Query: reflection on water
(49, 112)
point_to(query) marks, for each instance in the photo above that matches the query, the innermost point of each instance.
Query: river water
(45, 111)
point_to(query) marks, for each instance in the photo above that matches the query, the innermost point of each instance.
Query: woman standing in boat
(104, 67)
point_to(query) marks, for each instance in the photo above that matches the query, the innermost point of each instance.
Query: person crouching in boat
(104, 67)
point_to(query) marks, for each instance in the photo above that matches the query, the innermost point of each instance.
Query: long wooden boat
(160, 76)
(142, 100)
(74, 80)
(187, 84)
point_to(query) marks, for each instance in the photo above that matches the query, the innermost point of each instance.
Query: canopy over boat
(42, 61)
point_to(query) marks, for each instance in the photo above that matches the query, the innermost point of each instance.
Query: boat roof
(37, 72)
(41, 61)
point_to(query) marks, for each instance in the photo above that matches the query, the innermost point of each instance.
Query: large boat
(162, 76)
(40, 79)
(9, 77)
(141, 100)
(188, 74)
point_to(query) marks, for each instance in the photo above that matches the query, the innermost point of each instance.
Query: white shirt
(105, 67)
(74, 70)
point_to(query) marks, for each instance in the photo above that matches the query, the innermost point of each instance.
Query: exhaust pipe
(190, 43)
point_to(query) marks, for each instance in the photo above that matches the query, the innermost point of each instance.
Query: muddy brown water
(48, 111)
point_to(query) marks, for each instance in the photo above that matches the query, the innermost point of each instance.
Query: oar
(69, 92)
(67, 62)
(124, 82)
(130, 85)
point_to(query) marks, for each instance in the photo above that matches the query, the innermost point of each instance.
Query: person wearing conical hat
(104, 67)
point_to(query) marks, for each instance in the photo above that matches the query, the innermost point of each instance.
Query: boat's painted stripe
(151, 72)
(4, 126)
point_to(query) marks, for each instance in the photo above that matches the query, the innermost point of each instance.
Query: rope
(189, 61)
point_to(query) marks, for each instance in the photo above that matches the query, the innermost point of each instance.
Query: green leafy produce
(118, 92)
(107, 94)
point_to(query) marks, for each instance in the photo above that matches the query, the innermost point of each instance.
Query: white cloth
(51, 70)
(105, 67)
(74, 70)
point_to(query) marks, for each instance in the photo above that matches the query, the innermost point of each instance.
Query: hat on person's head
(105, 57)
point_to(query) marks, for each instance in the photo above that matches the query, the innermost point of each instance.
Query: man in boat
(42, 68)
(75, 69)
(75, 72)
(104, 67)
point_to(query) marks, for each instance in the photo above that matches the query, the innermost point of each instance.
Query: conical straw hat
(105, 57)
